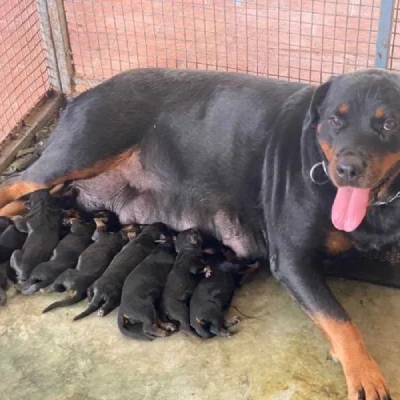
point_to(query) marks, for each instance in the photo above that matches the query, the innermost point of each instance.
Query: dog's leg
(377, 271)
(52, 170)
(14, 189)
(364, 379)
(149, 319)
(18, 207)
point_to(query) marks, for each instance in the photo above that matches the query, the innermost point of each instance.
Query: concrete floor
(277, 354)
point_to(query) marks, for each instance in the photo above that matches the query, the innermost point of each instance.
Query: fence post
(56, 41)
(384, 34)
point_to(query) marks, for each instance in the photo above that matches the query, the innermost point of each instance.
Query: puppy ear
(312, 117)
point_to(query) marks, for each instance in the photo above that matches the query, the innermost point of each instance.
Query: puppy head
(191, 238)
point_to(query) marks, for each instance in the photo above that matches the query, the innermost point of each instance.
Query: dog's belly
(176, 208)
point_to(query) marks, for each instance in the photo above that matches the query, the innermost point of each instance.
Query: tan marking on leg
(14, 191)
(359, 367)
(13, 209)
(18, 207)
(96, 169)
(57, 189)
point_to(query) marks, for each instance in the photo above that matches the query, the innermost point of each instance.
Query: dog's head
(191, 238)
(356, 120)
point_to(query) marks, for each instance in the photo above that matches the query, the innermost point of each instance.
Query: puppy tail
(65, 303)
(90, 310)
(133, 331)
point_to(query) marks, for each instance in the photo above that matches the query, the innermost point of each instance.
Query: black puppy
(10, 240)
(65, 256)
(105, 294)
(43, 225)
(91, 264)
(3, 282)
(5, 222)
(142, 293)
(183, 278)
(211, 300)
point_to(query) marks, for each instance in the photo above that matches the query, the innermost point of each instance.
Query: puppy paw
(232, 321)
(168, 326)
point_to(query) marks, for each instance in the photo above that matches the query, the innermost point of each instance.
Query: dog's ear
(313, 114)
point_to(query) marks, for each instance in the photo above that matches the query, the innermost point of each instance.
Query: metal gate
(70, 45)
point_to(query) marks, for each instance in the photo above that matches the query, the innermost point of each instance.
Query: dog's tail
(90, 310)
(79, 296)
(133, 331)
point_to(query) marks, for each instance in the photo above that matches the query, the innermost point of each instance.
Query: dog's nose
(349, 169)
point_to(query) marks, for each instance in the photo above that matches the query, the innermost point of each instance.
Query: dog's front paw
(366, 382)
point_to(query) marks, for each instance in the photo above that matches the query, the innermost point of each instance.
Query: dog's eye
(335, 121)
(389, 125)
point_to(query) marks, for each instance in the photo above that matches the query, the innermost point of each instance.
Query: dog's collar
(314, 170)
(389, 200)
(322, 165)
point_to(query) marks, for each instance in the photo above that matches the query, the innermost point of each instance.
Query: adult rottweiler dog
(273, 169)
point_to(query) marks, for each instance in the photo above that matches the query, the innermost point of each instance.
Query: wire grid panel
(297, 40)
(394, 57)
(23, 75)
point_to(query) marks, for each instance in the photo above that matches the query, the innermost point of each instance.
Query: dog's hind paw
(168, 326)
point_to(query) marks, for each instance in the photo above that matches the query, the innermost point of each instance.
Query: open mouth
(351, 203)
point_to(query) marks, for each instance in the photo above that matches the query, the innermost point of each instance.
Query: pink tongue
(349, 208)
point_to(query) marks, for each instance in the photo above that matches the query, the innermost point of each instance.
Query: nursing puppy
(183, 278)
(105, 294)
(91, 264)
(43, 225)
(3, 282)
(142, 293)
(5, 222)
(65, 256)
(211, 300)
(10, 240)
